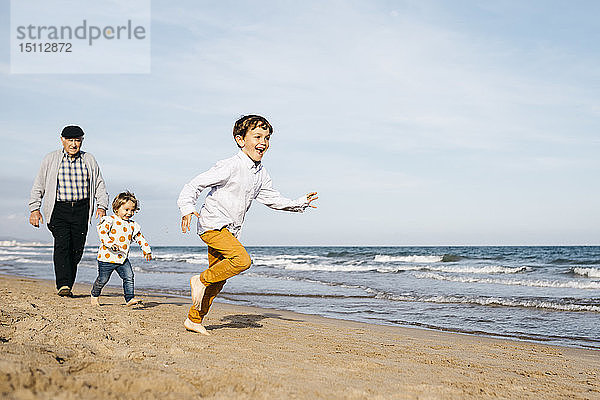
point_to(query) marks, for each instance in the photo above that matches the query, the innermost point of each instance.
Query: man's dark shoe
(65, 291)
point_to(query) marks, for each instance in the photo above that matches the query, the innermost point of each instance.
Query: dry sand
(64, 348)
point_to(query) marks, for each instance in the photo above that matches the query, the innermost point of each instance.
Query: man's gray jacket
(47, 178)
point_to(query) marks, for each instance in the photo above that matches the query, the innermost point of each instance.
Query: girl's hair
(123, 198)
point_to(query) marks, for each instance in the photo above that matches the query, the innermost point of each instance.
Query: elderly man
(71, 182)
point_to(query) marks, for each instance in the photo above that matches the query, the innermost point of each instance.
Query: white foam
(15, 243)
(358, 266)
(283, 258)
(515, 282)
(30, 261)
(588, 272)
(267, 262)
(296, 256)
(488, 269)
(191, 258)
(143, 270)
(178, 256)
(195, 261)
(410, 259)
(488, 301)
(327, 267)
(296, 279)
(201, 258)
(24, 251)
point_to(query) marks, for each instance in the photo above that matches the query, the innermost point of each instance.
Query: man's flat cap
(72, 131)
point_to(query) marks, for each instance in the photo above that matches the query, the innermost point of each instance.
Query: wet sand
(65, 348)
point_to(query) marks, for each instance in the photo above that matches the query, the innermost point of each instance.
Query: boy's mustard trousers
(226, 258)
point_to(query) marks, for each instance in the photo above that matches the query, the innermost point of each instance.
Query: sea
(541, 294)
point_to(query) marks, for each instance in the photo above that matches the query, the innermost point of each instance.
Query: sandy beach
(64, 348)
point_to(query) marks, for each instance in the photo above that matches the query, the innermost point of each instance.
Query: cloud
(445, 89)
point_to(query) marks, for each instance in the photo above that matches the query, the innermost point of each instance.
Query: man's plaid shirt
(73, 179)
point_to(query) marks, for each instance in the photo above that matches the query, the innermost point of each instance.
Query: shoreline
(157, 293)
(64, 347)
(423, 327)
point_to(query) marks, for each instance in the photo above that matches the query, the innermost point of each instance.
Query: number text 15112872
(45, 47)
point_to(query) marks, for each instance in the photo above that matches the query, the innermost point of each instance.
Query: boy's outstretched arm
(270, 197)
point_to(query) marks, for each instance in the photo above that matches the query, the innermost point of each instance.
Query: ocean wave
(587, 272)
(487, 269)
(24, 252)
(568, 261)
(451, 258)
(299, 295)
(15, 243)
(515, 282)
(291, 261)
(327, 267)
(336, 254)
(284, 257)
(308, 280)
(196, 261)
(489, 301)
(560, 305)
(418, 258)
(180, 256)
(24, 260)
(294, 256)
(361, 267)
(190, 258)
(408, 259)
(137, 268)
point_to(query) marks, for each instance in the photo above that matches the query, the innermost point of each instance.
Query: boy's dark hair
(248, 122)
(123, 198)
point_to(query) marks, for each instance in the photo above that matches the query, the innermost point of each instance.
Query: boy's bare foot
(94, 301)
(195, 327)
(198, 290)
(133, 302)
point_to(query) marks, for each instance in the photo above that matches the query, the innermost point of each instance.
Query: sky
(417, 122)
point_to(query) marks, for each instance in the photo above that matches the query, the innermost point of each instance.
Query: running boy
(117, 232)
(234, 183)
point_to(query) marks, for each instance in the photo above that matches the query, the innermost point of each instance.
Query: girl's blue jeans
(105, 270)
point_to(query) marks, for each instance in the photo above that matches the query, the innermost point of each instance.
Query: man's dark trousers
(69, 225)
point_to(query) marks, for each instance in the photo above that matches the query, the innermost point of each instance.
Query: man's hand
(100, 212)
(311, 197)
(148, 256)
(186, 220)
(35, 218)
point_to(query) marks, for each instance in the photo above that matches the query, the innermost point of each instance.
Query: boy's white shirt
(234, 183)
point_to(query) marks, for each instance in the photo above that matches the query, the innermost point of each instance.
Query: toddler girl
(117, 232)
